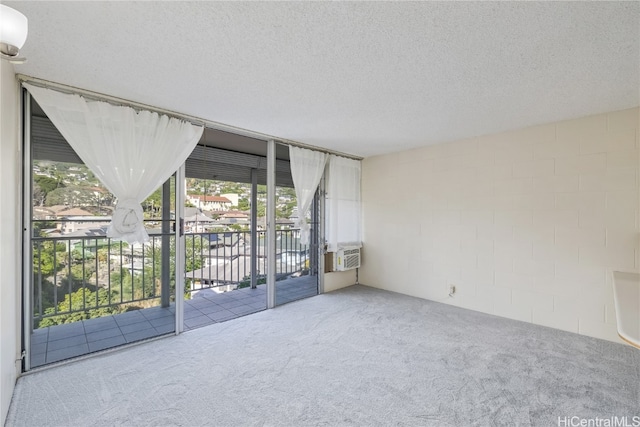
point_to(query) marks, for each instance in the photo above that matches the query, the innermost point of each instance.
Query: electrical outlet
(452, 290)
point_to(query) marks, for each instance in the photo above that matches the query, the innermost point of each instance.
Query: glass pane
(296, 263)
(89, 292)
(218, 241)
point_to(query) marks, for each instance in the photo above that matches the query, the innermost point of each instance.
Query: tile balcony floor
(56, 343)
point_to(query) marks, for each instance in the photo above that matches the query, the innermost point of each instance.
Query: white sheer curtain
(343, 203)
(307, 167)
(131, 152)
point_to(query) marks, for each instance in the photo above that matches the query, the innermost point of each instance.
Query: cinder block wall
(527, 224)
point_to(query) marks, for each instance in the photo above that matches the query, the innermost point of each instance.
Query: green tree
(38, 195)
(243, 204)
(42, 186)
(153, 204)
(284, 211)
(141, 284)
(194, 250)
(48, 258)
(47, 184)
(73, 196)
(230, 188)
(81, 305)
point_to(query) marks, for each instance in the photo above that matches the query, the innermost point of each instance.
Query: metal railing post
(165, 293)
(254, 229)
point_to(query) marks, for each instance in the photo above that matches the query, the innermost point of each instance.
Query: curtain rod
(191, 119)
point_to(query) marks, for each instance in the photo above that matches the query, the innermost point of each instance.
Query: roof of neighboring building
(204, 198)
(235, 270)
(74, 212)
(40, 212)
(58, 208)
(189, 211)
(198, 217)
(101, 231)
(227, 239)
(89, 232)
(234, 215)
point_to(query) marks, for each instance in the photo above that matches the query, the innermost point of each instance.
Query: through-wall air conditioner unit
(347, 258)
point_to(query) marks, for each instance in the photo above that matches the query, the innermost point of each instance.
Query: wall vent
(347, 258)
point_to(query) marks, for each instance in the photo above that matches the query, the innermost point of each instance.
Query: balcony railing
(85, 274)
(224, 259)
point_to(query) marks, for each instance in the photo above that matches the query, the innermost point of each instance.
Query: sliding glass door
(84, 291)
(223, 243)
(224, 223)
(296, 262)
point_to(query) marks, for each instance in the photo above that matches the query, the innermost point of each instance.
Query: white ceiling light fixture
(13, 34)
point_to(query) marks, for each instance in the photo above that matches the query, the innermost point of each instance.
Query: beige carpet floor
(358, 356)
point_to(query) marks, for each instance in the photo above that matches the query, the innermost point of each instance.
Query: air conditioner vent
(347, 258)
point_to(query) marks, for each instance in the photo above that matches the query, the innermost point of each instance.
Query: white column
(180, 248)
(320, 233)
(27, 264)
(271, 224)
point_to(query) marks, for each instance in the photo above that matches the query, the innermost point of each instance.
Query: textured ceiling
(357, 77)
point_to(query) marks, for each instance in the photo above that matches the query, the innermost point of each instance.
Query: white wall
(10, 235)
(528, 224)
(338, 280)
